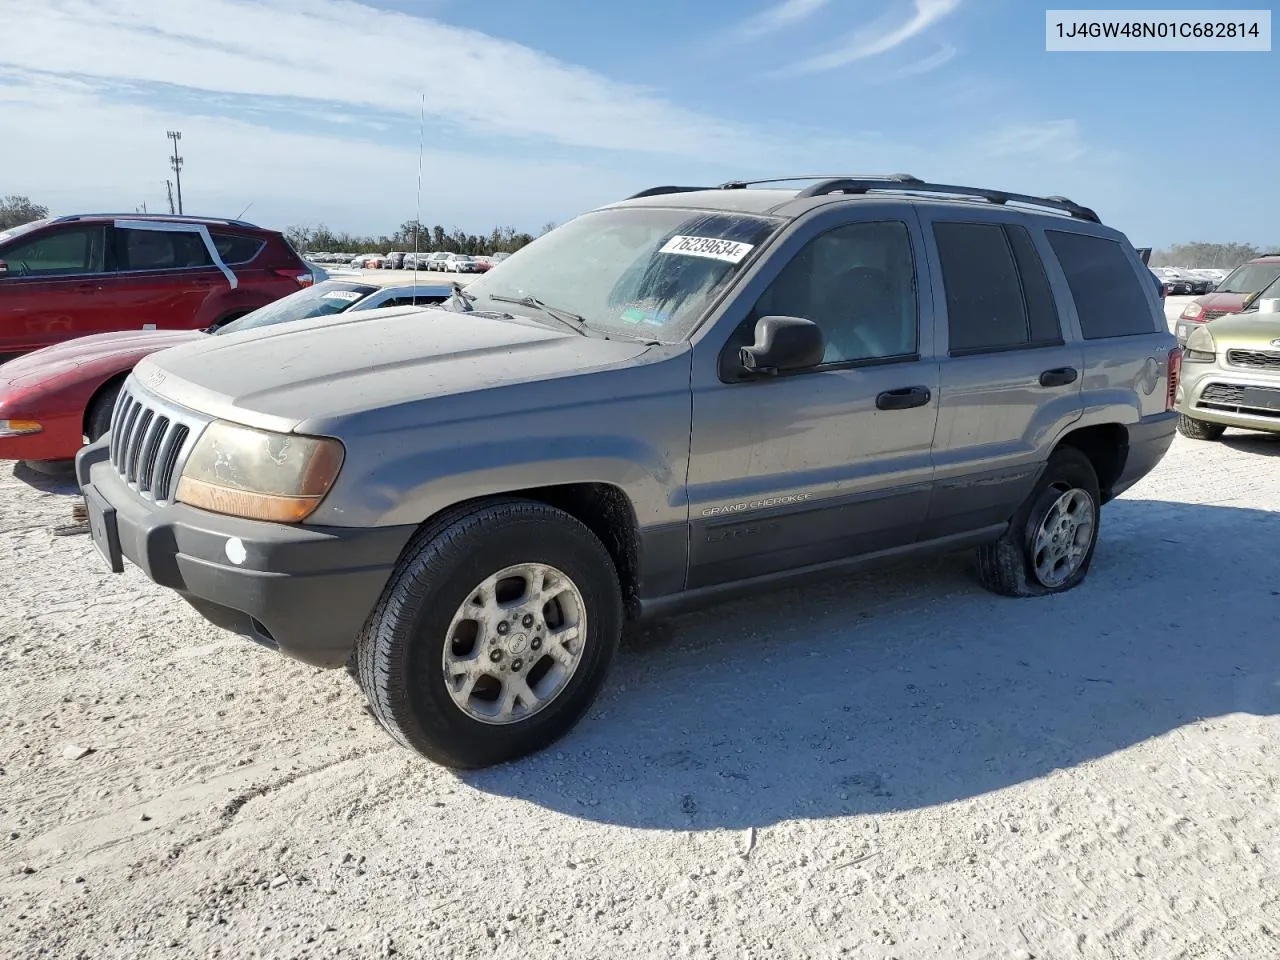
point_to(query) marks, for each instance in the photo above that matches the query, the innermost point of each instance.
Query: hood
(121, 349)
(330, 367)
(1230, 302)
(1248, 331)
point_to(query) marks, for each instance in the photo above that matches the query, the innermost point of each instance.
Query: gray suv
(687, 395)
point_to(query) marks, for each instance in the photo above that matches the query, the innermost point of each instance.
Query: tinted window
(235, 249)
(985, 309)
(1108, 293)
(1250, 278)
(160, 250)
(1042, 312)
(69, 250)
(858, 284)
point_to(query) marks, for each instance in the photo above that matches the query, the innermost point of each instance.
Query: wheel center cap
(518, 644)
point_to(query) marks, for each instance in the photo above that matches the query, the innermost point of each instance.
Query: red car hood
(120, 350)
(1227, 302)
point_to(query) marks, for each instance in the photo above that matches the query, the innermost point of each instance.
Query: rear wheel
(494, 634)
(1050, 541)
(1194, 429)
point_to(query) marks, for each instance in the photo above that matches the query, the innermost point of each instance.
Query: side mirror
(782, 344)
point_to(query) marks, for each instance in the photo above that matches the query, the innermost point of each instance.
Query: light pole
(176, 163)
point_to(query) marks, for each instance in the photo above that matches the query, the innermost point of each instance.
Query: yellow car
(1231, 372)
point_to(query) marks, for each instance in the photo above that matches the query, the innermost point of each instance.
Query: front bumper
(1215, 393)
(302, 590)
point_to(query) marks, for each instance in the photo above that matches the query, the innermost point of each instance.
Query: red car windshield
(327, 297)
(1250, 278)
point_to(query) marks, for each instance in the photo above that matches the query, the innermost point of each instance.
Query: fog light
(19, 428)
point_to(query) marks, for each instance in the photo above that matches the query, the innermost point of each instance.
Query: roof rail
(176, 218)
(894, 177)
(659, 191)
(861, 185)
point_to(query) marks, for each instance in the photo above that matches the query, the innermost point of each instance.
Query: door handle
(903, 398)
(87, 288)
(1059, 377)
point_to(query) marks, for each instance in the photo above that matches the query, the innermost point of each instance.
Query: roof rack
(903, 183)
(157, 216)
(659, 191)
(894, 177)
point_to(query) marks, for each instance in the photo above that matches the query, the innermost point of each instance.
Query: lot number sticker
(728, 250)
(350, 296)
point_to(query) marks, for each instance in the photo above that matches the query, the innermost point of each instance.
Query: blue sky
(307, 110)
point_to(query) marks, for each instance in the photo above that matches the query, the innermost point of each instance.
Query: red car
(1231, 294)
(51, 399)
(67, 277)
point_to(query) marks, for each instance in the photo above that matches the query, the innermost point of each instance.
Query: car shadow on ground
(910, 687)
(1263, 444)
(54, 482)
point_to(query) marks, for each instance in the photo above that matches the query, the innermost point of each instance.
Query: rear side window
(998, 296)
(1108, 293)
(236, 249)
(160, 250)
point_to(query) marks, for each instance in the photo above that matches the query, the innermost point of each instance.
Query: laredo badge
(731, 251)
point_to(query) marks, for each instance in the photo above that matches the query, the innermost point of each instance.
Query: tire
(98, 419)
(1194, 429)
(419, 630)
(1009, 565)
(51, 468)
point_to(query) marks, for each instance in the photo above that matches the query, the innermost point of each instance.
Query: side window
(70, 250)
(236, 249)
(1042, 311)
(160, 250)
(857, 283)
(985, 309)
(1108, 293)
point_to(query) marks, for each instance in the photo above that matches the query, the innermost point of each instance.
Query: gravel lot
(894, 764)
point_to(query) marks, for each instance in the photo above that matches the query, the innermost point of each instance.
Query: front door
(796, 470)
(51, 286)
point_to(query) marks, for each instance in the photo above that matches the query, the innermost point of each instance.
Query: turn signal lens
(19, 428)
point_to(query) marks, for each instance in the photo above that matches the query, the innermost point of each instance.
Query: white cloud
(1051, 140)
(939, 58)
(781, 15)
(882, 37)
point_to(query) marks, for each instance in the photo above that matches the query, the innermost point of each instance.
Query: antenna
(240, 215)
(417, 216)
(176, 163)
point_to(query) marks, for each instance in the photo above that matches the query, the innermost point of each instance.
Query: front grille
(1214, 314)
(1229, 398)
(146, 444)
(1260, 359)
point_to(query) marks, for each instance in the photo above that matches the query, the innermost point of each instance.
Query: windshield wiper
(567, 317)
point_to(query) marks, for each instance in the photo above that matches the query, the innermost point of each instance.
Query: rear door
(167, 279)
(52, 287)
(1010, 378)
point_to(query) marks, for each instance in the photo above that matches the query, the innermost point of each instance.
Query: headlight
(1200, 346)
(257, 474)
(1193, 311)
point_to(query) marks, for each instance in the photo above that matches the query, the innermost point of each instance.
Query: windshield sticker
(730, 251)
(650, 318)
(351, 296)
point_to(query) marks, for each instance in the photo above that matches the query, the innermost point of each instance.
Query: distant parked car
(51, 399)
(438, 261)
(65, 277)
(1231, 294)
(461, 263)
(393, 260)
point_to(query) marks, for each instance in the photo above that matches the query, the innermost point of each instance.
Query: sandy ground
(895, 764)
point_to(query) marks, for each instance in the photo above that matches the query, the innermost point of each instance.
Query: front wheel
(1194, 429)
(1050, 541)
(493, 635)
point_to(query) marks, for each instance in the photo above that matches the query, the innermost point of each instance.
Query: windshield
(1250, 278)
(331, 296)
(641, 272)
(21, 229)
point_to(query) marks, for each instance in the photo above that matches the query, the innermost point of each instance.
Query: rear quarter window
(236, 249)
(1108, 292)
